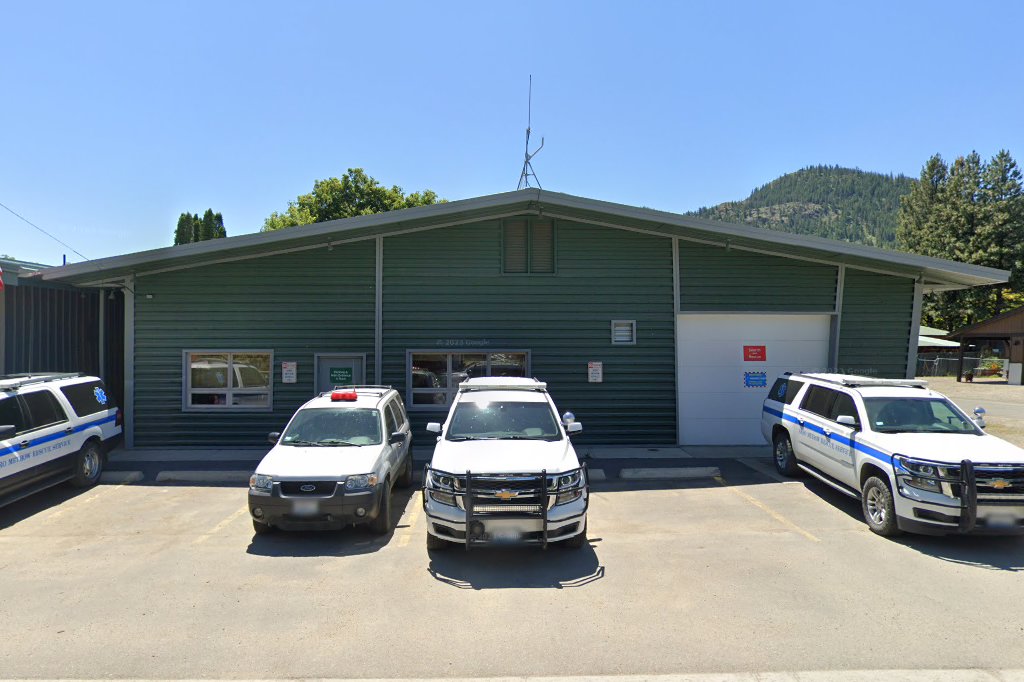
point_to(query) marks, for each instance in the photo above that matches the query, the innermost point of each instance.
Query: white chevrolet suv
(504, 470)
(915, 460)
(335, 463)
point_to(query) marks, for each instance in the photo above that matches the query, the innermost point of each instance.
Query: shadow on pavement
(1000, 553)
(349, 541)
(36, 503)
(516, 567)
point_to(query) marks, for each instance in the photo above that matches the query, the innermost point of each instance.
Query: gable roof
(1009, 323)
(935, 273)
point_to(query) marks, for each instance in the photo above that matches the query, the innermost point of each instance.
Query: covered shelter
(1007, 330)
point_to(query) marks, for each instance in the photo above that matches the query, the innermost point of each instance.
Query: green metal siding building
(652, 327)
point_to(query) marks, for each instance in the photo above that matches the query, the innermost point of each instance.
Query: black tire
(879, 508)
(261, 528)
(405, 478)
(382, 524)
(435, 543)
(783, 455)
(88, 466)
(576, 541)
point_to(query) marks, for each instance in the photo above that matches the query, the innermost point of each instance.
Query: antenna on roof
(524, 177)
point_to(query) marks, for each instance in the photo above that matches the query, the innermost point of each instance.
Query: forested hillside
(827, 201)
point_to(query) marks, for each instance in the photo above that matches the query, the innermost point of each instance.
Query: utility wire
(23, 218)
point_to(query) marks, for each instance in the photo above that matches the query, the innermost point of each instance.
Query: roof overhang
(934, 274)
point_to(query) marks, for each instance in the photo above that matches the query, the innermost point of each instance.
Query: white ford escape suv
(504, 469)
(335, 463)
(915, 460)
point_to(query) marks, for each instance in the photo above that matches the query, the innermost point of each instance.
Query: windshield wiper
(299, 441)
(528, 438)
(335, 441)
(471, 438)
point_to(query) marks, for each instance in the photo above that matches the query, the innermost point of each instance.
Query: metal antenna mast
(524, 177)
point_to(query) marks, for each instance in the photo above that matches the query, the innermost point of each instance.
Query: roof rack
(852, 381)
(499, 385)
(24, 379)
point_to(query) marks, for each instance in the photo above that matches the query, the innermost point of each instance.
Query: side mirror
(434, 427)
(568, 418)
(273, 437)
(979, 416)
(573, 427)
(7, 431)
(847, 420)
(396, 438)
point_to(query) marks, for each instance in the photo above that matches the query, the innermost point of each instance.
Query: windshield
(333, 426)
(503, 421)
(916, 415)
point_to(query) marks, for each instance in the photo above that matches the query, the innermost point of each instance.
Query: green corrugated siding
(712, 278)
(294, 304)
(446, 285)
(876, 323)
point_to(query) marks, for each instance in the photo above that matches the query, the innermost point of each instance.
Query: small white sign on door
(595, 372)
(289, 372)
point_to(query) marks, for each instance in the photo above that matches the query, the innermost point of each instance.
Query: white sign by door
(595, 372)
(289, 372)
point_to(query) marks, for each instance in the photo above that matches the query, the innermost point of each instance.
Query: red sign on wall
(755, 354)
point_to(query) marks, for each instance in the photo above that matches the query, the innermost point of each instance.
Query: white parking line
(81, 501)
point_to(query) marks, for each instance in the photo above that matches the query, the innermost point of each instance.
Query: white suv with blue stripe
(53, 428)
(915, 460)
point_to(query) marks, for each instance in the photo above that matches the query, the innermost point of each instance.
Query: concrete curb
(221, 477)
(668, 473)
(120, 477)
(596, 475)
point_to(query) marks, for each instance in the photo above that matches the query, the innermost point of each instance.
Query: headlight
(261, 483)
(439, 480)
(933, 477)
(443, 498)
(566, 498)
(360, 481)
(567, 480)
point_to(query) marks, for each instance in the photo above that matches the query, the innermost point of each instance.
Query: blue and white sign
(755, 379)
(101, 395)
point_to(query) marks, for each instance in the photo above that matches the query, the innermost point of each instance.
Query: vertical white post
(129, 362)
(837, 321)
(676, 303)
(378, 328)
(915, 330)
(101, 337)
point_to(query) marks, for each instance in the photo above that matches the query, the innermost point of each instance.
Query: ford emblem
(308, 488)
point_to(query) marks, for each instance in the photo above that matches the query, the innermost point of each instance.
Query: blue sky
(116, 117)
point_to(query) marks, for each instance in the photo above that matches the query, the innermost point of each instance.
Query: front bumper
(315, 512)
(969, 505)
(487, 509)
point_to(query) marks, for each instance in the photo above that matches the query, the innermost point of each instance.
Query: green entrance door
(339, 370)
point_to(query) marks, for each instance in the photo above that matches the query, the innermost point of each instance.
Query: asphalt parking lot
(737, 573)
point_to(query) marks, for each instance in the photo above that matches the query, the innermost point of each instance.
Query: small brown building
(1007, 328)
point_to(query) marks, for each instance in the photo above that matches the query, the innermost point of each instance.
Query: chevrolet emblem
(1000, 483)
(506, 495)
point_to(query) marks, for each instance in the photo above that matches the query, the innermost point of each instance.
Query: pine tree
(183, 232)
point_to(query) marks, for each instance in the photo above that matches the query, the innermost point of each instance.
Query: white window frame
(187, 390)
(632, 326)
(450, 391)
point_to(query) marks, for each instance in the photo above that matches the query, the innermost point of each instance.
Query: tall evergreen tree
(971, 212)
(183, 232)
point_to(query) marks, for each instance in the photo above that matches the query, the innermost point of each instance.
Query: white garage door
(727, 363)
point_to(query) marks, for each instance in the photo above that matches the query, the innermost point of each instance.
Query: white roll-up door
(727, 363)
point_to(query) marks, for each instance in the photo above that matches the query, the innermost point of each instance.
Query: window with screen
(228, 380)
(434, 376)
(528, 246)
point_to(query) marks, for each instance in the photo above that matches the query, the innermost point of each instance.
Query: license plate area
(1001, 521)
(305, 507)
(505, 535)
